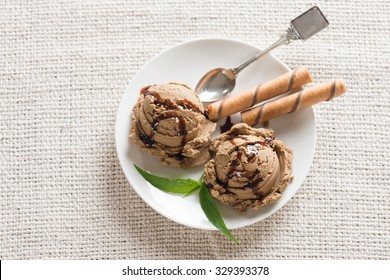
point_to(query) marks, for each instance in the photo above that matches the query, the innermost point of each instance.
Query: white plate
(186, 63)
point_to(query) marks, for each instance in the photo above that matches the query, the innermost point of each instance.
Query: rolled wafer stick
(294, 102)
(247, 99)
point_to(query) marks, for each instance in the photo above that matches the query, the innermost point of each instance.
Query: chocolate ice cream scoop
(250, 167)
(168, 122)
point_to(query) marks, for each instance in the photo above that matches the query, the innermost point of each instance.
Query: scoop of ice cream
(168, 122)
(250, 167)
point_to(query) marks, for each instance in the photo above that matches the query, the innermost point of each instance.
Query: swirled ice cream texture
(250, 167)
(168, 123)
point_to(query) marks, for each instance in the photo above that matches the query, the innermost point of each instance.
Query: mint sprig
(187, 187)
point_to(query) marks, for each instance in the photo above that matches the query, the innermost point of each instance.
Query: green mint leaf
(179, 186)
(192, 191)
(201, 178)
(210, 208)
(199, 182)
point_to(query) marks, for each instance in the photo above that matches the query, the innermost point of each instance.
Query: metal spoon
(219, 82)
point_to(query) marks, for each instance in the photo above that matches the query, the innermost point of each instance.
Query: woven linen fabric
(63, 68)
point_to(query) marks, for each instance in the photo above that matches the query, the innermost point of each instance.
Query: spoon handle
(285, 39)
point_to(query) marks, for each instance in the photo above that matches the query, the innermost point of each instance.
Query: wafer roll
(247, 99)
(294, 102)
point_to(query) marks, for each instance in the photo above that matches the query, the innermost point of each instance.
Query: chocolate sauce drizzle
(253, 151)
(182, 124)
(254, 182)
(182, 130)
(233, 165)
(148, 140)
(227, 126)
(253, 177)
(169, 104)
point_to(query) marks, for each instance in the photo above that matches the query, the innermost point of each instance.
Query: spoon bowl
(216, 84)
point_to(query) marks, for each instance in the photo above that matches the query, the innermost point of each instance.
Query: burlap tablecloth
(63, 68)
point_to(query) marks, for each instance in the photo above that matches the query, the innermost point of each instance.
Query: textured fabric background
(63, 68)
